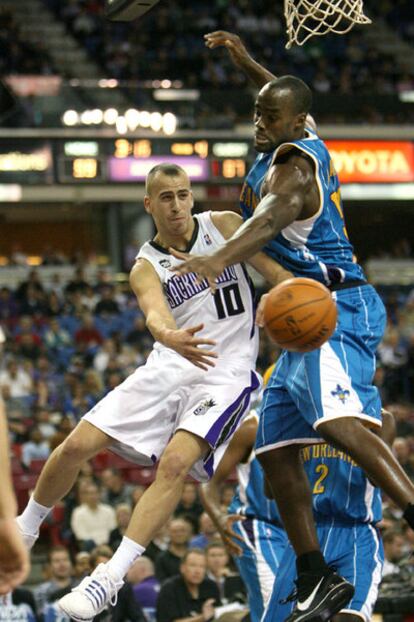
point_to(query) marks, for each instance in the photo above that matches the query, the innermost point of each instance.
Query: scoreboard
(125, 160)
(119, 160)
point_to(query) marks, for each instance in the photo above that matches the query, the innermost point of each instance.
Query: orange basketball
(300, 314)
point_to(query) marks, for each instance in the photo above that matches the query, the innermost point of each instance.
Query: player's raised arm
(258, 74)
(240, 56)
(160, 322)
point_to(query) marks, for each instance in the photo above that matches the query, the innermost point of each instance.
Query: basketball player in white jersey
(183, 405)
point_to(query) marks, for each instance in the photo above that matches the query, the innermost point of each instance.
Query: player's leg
(151, 512)
(263, 546)
(281, 432)
(59, 475)
(374, 456)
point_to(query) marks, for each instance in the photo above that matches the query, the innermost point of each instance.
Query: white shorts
(167, 394)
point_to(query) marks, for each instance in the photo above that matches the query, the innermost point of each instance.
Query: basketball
(300, 314)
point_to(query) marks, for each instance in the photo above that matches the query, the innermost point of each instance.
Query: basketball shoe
(319, 597)
(91, 596)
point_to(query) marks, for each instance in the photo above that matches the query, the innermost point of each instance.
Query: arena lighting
(144, 118)
(110, 83)
(132, 117)
(156, 121)
(172, 94)
(110, 116)
(169, 123)
(86, 117)
(70, 117)
(97, 116)
(121, 125)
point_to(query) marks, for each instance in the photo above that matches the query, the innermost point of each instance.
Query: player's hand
(191, 347)
(232, 42)
(14, 558)
(207, 609)
(228, 535)
(260, 311)
(208, 267)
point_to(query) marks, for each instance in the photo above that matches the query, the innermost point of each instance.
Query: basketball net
(309, 18)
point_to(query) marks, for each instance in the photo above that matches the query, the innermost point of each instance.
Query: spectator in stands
(78, 283)
(88, 336)
(33, 281)
(56, 337)
(17, 380)
(229, 584)
(207, 533)
(18, 605)
(115, 489)
(8, 305)
(123, 515)
(44, 423)
(60, 575)
(105, 353)
(82, 565)
(93, 521)
(227, 494)
(158, 544)
(145, 585)
(64, 428)
(107, 306)
(37, 448)
(190, 595)
(189, 505)
(168, 562)
(393, 542)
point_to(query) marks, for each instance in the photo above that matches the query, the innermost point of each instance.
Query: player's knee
(173, 466)
(75, 449)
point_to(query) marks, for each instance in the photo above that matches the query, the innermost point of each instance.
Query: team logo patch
(165, 263)
(340, 393)
(207, 239)
(204, 407)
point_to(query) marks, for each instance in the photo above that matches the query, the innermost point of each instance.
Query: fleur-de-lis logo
(340, 393)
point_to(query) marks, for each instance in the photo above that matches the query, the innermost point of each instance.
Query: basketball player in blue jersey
(181, 408)
(326, 394)
(252, 530)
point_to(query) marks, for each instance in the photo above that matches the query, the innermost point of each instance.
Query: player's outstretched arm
(289, 184)
(240, 56)
(147, 287)
(238, 451)
(14, 558)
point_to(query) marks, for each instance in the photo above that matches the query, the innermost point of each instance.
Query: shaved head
(171, 170)
(295, 90)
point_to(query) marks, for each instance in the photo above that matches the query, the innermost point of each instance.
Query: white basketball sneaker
(91, 596)
(28, 538)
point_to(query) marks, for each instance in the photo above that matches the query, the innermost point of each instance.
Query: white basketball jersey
(228, 315)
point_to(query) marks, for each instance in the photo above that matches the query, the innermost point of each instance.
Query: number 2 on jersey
(228, 301)
(319, 488)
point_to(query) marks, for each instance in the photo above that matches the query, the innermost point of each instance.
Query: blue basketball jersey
(317, 247)
(250, 499)
(341, 490)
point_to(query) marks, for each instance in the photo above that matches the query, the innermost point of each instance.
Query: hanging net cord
(309, 18)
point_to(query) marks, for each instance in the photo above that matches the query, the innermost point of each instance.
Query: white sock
(33, 516)
(123, 558)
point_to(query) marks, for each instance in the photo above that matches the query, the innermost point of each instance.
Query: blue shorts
(357, 555)
(263, 547)
(333, 381)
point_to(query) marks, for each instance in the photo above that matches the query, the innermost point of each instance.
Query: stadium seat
(36, 466)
